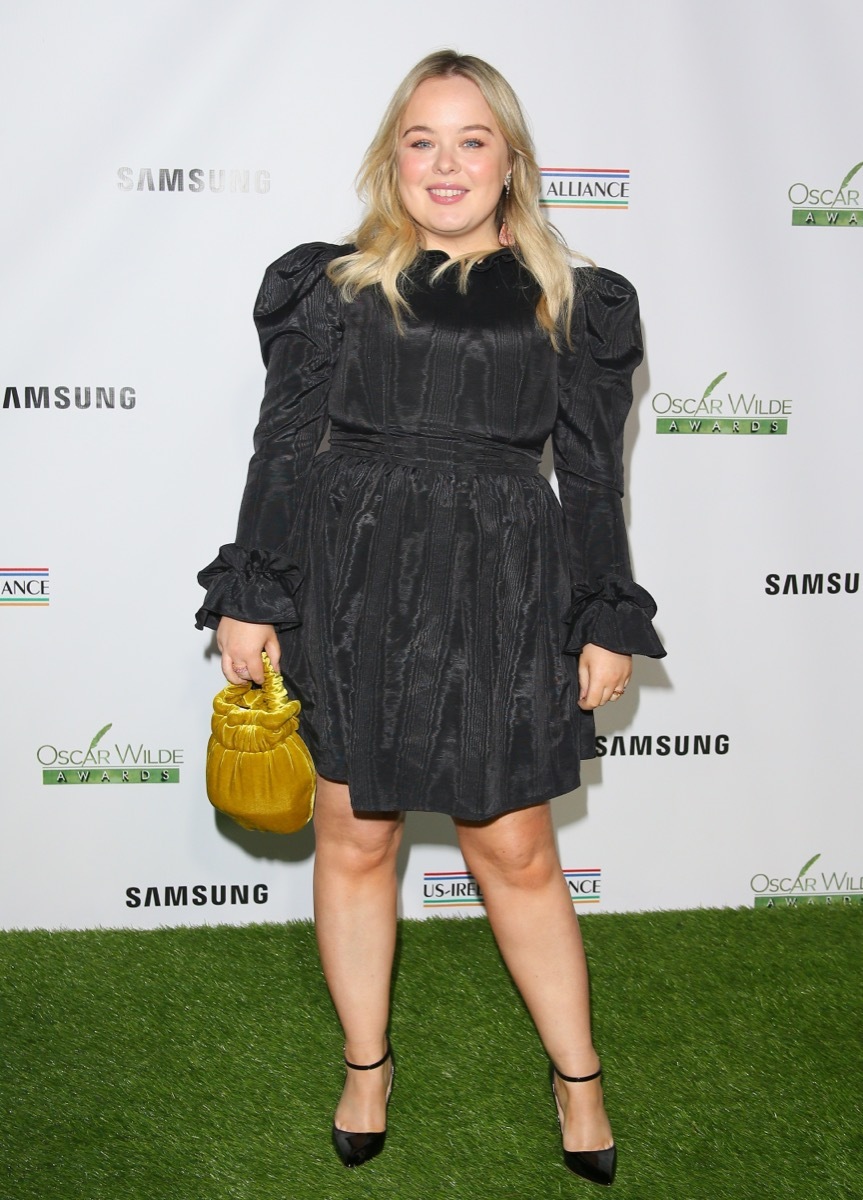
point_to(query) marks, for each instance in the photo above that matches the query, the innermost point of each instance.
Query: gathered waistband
(461, 453)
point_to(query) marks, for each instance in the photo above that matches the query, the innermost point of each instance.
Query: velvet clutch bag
(259, 769)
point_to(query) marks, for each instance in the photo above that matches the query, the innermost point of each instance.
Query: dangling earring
(505, 237)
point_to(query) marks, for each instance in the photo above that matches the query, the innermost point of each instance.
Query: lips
(450, 195)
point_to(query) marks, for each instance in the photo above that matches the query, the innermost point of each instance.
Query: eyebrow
(464, 129)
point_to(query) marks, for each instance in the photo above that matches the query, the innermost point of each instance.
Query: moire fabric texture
(430, 592)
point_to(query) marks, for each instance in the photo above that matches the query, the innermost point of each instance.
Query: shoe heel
(354, 1149)
(596, 1166)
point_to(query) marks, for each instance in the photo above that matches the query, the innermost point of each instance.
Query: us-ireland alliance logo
(585, 187)
(24, 587)
(459, 889)
(839, 208)
(720, 409)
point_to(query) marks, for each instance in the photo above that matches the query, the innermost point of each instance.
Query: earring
(505, 237)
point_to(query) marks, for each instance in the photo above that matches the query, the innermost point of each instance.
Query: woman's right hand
(241, 643)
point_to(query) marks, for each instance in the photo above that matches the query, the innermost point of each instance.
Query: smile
(447, 195)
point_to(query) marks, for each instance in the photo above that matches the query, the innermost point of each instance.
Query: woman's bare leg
(355, 923)
(514, 859)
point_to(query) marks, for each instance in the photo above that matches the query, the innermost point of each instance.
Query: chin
(446, 228)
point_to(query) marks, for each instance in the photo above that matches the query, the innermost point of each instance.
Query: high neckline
(485, 263)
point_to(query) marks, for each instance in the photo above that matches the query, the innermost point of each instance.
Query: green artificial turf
(205, 1063)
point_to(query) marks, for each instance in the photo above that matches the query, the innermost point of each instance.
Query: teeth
(447, 192)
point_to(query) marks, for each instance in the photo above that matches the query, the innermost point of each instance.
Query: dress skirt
(433, 603)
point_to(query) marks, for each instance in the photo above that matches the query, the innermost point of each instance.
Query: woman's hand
(602, 676)
(241, 643)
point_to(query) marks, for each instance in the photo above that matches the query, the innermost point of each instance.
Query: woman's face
(452, 159)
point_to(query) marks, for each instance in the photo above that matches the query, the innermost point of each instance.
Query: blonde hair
(387, 240)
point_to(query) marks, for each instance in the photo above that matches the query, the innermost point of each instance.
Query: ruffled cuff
(250, 585)
(615, 614)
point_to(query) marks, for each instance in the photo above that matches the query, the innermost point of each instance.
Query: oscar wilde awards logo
(584, 187)
(24, 587)
(721, 411)
(824, 207)
(459, 889)
(101, 763)
(836, 887)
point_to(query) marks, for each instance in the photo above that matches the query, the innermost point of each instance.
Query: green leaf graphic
(843, 185)
(97, 739)
(812, 860)
(718, 379)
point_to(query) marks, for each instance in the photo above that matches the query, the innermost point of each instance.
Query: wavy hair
(388, 240)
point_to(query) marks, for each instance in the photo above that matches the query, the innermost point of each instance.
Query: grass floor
(205, 1063)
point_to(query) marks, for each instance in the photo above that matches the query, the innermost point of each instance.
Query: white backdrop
(726, 777)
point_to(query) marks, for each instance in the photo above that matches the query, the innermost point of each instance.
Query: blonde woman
(447, 623)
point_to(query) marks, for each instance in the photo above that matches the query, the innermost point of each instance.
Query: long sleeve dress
(430, 593)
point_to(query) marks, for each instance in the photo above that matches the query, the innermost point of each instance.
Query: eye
(420, 144)
(474, 143)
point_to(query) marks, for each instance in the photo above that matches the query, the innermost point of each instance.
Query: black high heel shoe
(596, 1166)
(354, 1149)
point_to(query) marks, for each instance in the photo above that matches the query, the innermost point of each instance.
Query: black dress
(430, 593)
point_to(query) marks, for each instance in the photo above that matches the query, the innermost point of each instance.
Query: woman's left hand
(602, 676)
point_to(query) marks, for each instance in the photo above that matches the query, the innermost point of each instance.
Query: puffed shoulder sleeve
(255, 578)
(595, 394)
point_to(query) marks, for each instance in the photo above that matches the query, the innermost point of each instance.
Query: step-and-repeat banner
(156, 158)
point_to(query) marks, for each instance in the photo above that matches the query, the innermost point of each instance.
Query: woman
(448, 624)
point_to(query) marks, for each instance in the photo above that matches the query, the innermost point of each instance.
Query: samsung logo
(819, 583)
(69, 397)
(199, 894)
(663, 744)
(193, 179)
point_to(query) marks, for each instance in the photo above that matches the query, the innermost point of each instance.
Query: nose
(445, 161)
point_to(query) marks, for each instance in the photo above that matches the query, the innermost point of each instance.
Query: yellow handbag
(259, 769)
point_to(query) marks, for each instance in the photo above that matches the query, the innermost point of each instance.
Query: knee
(352, 842)
(368, 855)
(528, 868)
(359, 850)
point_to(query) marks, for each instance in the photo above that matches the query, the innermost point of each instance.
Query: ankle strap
(371, 1066)
(577, 1078)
